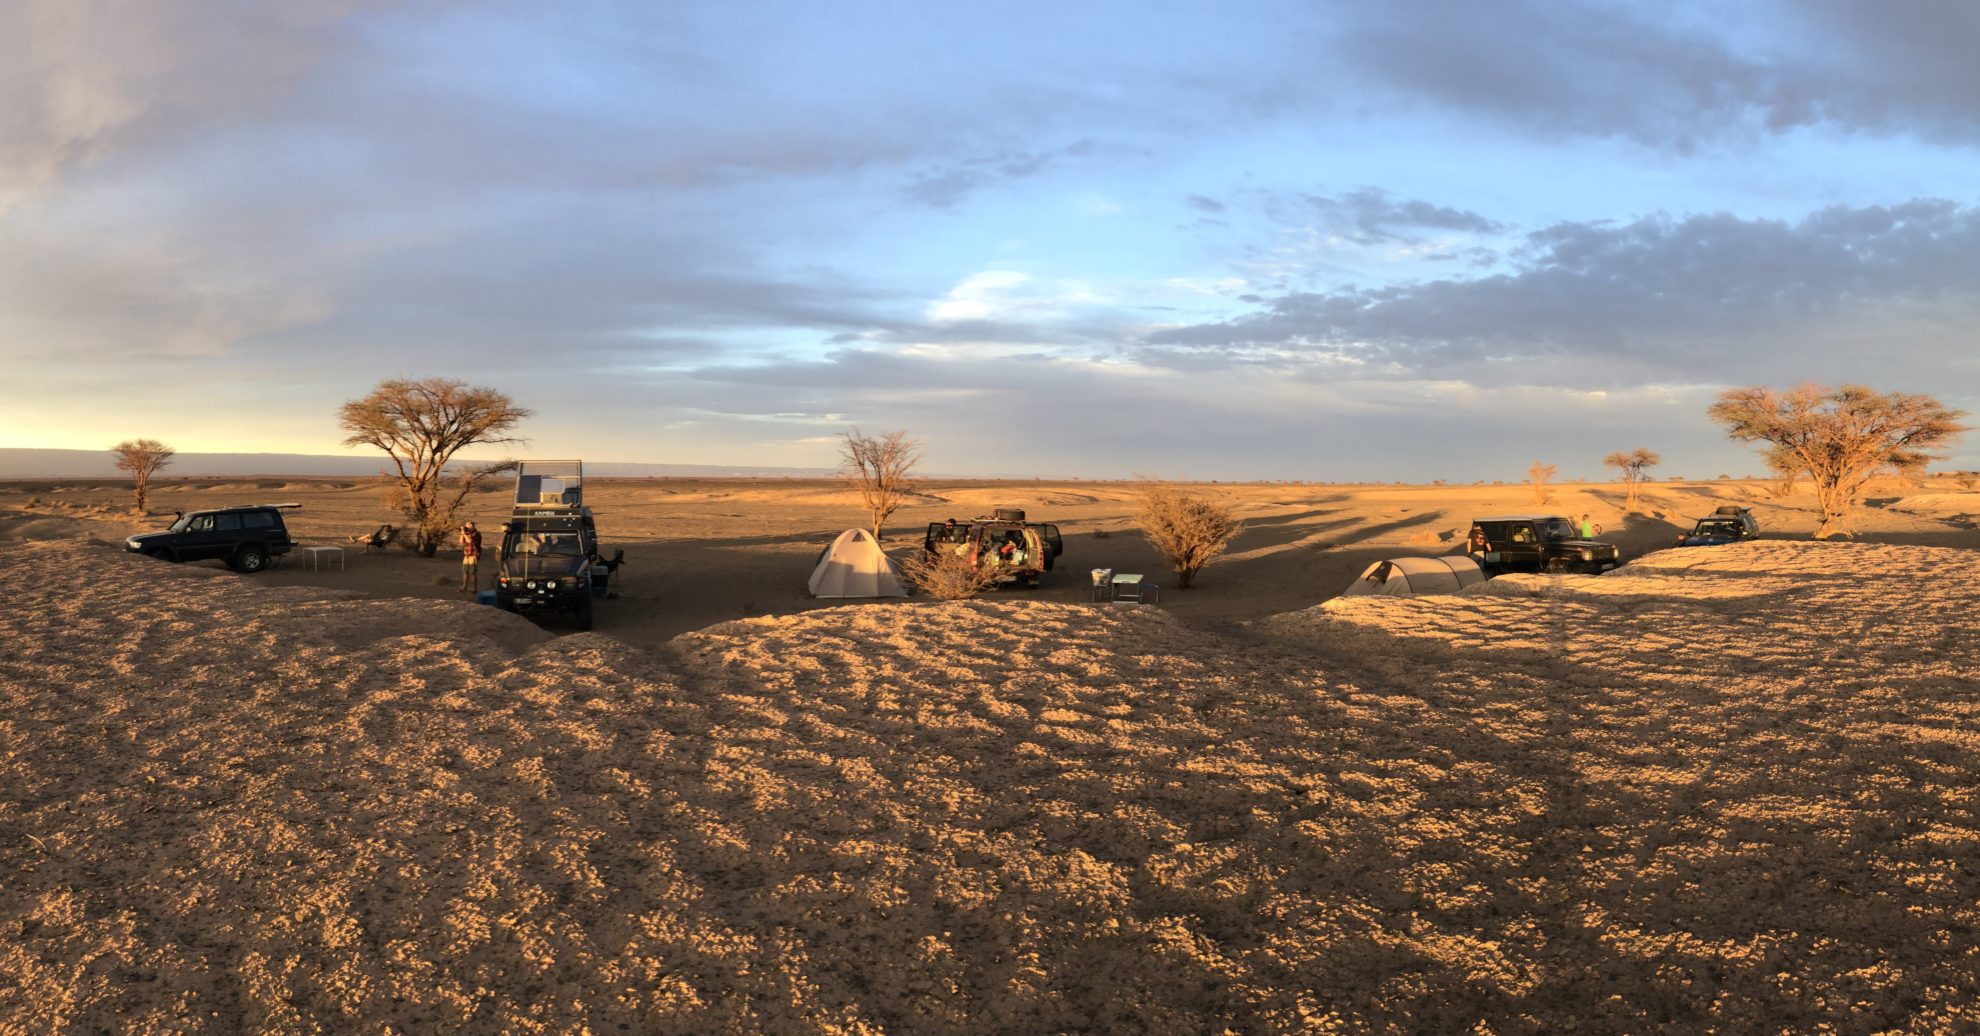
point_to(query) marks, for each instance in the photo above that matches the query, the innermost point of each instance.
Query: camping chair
(381, 538)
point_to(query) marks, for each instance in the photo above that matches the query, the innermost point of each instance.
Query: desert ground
(1728, 788)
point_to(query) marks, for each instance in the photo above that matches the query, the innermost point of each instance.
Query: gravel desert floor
(1728, 788)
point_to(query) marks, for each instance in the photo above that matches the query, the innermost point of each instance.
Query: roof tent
(550, 483)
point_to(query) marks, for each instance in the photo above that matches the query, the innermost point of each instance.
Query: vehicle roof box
(1007, 514)
(1731, 510)
(549, 486)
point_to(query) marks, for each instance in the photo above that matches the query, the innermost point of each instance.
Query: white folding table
(313, 557)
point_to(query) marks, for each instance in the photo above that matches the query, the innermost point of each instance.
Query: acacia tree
(1632, 465)
(881, 469)
(1840, 438)
(1187, 529)
(141, 459)
(1537, 477)
(421, 425)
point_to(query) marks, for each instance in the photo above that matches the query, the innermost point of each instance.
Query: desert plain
(1730, 788)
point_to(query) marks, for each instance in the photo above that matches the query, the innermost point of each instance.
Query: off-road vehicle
(247, 538)
(1021, 552)
(1539, 543)
(1731, 523)
(549, 557)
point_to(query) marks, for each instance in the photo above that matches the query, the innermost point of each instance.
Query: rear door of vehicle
(226, 535)
(1054, 546)
(265, 529)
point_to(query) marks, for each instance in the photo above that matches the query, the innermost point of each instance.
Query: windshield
(179, 524)
(1554, 530)
(1718, 528)
(543, 545)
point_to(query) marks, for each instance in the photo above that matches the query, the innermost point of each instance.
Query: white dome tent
(1407, 577)
(855, 566)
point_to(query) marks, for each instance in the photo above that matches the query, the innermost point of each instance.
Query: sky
(1319, 241)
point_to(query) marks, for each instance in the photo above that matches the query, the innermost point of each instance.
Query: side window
(227, 523)
(258, 520)
(1522, 533)
(203, 523)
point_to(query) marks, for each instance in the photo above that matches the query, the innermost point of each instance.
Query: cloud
(1670, 81)
(943, 188)
(1716, 296)
(86, 78)
(1372, 216)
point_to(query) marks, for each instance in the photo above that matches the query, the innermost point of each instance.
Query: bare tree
(1537, 478)
(1632, 465)
(1187, 529)
(421, 425)
(1841, 438)
(142, 458)
(881, 469)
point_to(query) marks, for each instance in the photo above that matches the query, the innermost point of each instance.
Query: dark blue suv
(247, 538)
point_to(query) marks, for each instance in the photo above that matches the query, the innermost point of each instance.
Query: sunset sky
(1313, 241)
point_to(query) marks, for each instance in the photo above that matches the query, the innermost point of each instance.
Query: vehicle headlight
(133, 544)
(531, 584)
(1587, 555)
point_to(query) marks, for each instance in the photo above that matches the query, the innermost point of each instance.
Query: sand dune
(1728, 788)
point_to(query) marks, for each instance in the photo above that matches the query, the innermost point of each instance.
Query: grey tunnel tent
(855, 566)
(1407, 577)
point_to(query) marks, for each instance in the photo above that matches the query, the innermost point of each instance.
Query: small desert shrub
(1537, 478)
(1187, 529)
(946, 575)
(33, 502)
(1101, 534)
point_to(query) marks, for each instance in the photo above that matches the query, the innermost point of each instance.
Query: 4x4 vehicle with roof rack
(1731, 523)
(1021, 552)
(247, 538)
(1540, 543)
(550, 557)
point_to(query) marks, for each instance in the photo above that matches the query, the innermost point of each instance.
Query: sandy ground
(1731, 788)
(701, 552)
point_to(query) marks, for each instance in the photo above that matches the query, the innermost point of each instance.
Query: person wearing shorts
(470, 559)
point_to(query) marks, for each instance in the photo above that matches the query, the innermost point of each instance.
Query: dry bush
(881, 469)
(1537, 477)
(1187, 529)
(142, 458)
(1633, 466)
(947, 575)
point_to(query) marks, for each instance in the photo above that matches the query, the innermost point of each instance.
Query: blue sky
(1347, 241)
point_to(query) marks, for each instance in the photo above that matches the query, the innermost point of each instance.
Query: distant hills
(31, 463)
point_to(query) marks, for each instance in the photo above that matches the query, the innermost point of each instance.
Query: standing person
(1589, 530)
(1476, 543)
(470, 559)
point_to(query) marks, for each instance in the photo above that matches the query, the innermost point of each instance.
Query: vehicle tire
(249, 560)
(583, 614)
(1557, 566)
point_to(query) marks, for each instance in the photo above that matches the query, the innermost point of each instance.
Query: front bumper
(525, 599)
